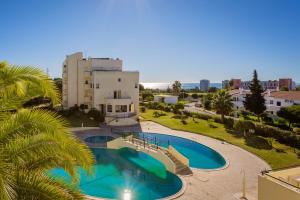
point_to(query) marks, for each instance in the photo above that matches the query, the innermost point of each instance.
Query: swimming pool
(199, 155)
(122, 172)
(98, 139)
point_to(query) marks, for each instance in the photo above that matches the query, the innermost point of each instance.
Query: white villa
(274, 99)
(102, 84)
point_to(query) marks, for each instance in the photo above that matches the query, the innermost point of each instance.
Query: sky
(165, 40)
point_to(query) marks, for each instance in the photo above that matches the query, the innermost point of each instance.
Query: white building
(204, 85)
(274, 100)
(238, 98)
(166, 99)
(102, 84)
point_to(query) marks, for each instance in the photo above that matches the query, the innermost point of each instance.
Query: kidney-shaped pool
(199, 155)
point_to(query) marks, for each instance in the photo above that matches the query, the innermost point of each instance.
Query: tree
(291, 114)
(206, 101)
(183, 95)
(33, 141)
(255, 102)
(141, 87)
(58, 83)
(222, 103)
(212, 89)
(147, 95)
(244, 126)
(284, 88)
(176, 87)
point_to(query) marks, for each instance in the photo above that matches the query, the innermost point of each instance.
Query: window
(97, 85)
(86, 82)
(91, 85)
(129, 106)
(109, 108)
(271, 102)
(91, 98)
(119, 80)
(278, 103)
(121, 108)
(136, 85)
(86, 106)
(117, 94)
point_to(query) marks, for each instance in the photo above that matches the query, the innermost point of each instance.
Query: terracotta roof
(288, 95)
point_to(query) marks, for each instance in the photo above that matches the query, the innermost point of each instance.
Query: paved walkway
(224, 184)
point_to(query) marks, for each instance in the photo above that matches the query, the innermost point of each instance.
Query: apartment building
(266, 85)
(286, 82)
(102, 84)
(204, 85)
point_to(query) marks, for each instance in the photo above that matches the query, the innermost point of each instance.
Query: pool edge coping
(174, 196)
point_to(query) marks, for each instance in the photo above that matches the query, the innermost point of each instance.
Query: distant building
(166, 99)
(225, 84)
(101, 83)
(286, 82)
(204, 85)
(235, 83)
(266, 85)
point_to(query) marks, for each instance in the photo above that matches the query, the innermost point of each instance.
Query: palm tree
(33, 141)
(176, 86)
(222, 103)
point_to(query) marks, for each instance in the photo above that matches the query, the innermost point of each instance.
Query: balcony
(119, 101)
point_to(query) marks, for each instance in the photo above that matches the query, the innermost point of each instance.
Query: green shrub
(228, 122)
(195, 96)
(96, 115)
(282, 136)
(184, 121)
(203, 116)
(158, 114)
(143, 109)
(244, 127)
(167, 109)
(217, 119)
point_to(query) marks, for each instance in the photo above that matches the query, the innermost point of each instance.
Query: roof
(288, 95)
(239, 92)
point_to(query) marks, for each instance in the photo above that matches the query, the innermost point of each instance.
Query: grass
(77, 118)
(277, 157)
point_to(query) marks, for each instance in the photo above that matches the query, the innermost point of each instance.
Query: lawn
(76, 119)
(278, 157)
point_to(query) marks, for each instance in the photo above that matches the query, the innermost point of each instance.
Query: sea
(163, 86)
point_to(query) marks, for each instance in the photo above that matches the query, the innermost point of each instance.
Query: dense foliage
(291, 113)
(33, 141)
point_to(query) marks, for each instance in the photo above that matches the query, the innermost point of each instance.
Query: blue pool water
(125, 169)
(200, 156)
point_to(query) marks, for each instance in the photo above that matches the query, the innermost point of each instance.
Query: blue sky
(165, 40)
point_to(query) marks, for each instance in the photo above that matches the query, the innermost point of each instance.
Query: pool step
(181, 169)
